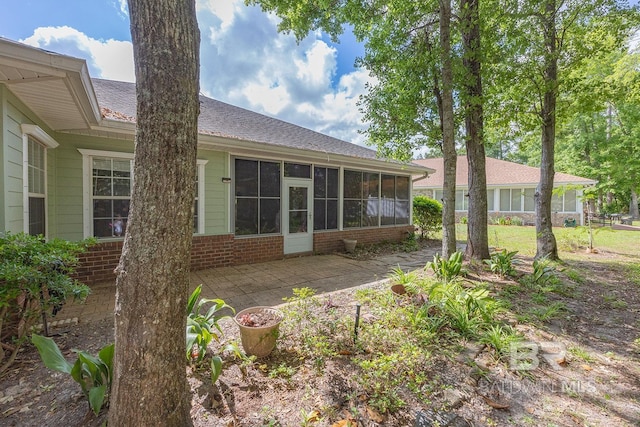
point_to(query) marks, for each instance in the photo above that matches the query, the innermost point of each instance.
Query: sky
(244, 60)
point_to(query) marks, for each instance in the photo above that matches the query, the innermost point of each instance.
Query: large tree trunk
(149, 386)
(546, 241)
(448, 135)
(477, 236)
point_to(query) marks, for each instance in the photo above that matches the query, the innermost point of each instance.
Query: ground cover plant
(551, 344)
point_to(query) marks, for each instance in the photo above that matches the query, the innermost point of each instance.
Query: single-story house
(510, 190)
(266, 189)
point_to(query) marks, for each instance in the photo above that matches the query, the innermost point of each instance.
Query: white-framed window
(511, 199)
(565, 202)
(108, 180)
(35, 143)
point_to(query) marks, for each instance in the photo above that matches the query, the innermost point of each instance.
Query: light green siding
(3, 181)
(12, 144)
(216, 192)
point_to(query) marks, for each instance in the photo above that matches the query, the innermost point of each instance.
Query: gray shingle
(118, 102)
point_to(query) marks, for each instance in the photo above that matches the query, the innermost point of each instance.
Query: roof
(499, 173)
(59, 90)
(118, 103)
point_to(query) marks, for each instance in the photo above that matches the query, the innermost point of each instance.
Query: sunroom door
(298, 223)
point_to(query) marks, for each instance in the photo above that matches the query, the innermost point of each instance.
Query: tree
(535, 76)
(408, 51)
(477, 234)
(149, 385)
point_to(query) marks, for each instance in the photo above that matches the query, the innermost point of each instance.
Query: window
(295, 170)
(490, 196)
(35, 143)
(371, 199)
(529, 199)
(108, 183)
(37, 192)
(257, 197)
(111, 195)
(325, 198)
(462, 200)
(570, 201)
(510, 200)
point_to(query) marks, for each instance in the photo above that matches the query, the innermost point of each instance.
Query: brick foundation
(331, 241)
(98, 263)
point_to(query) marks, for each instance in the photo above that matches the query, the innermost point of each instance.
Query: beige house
(510, 190)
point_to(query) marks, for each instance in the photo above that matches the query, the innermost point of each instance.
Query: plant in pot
(259, 329)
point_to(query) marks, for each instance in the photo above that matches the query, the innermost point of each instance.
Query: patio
(263, 283)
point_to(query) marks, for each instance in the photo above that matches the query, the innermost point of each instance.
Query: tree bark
(149, 385)
(477, 235)
(448, 135)
(633, 206)
(546, 241)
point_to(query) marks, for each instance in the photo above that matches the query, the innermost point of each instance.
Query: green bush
(35, 280)
(501, 263)
(427, 215)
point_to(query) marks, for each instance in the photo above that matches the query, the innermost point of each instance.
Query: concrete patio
(264, 283)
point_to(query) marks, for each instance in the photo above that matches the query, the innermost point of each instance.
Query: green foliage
(203, 327)
(35, 278)
(447, 269)
(464, 220)
(501, 263)
(500, 338)
(427, 215)
(93, 374)
(543, 271)
(466, 311)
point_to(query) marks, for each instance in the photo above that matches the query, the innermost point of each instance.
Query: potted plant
(259, 328)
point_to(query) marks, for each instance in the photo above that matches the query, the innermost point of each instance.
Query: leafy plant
(398, 275)
(94, 374)
(203, 327)
(427, 215)
(543, 270)
(500, 338)
(447, 269)
(501, 263)
(35, 281)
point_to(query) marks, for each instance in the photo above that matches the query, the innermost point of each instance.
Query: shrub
(516, 220)
(427, 215)
(35, 280)
(464, 220)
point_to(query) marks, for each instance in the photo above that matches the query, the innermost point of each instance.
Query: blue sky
(244, 61)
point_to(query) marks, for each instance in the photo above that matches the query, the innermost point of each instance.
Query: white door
(298, 223)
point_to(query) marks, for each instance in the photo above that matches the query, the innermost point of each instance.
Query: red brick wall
(248, 250)
(98, 263)
(331, 241)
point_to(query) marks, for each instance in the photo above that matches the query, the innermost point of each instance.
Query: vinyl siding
(217, 195)
(12, 144)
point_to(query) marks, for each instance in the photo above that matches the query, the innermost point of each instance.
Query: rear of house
(266, 189)
(511, 189)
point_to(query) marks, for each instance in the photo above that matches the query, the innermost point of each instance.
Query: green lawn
(523, 239)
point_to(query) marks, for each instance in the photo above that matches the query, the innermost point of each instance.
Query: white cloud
(108, 59)
(245, 62)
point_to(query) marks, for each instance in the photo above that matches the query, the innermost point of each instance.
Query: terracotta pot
(260, 340)
(398, 289)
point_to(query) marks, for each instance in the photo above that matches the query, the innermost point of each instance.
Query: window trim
(36, 133)
(87, 196)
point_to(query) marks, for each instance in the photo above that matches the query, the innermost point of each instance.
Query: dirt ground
(588, 375)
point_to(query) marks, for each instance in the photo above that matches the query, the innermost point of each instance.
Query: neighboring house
(266, 189)
(510, 190)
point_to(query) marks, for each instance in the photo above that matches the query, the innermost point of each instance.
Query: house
(266, 189)
(510, 190)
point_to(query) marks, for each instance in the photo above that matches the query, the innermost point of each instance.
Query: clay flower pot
(259, 329)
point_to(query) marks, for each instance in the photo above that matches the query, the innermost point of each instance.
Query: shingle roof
(499, 173)
(118, 102)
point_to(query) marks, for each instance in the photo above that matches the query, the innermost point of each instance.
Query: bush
(35, 280)
(427, 215)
